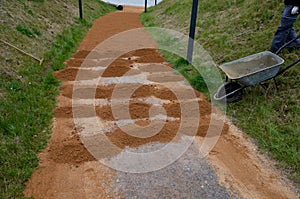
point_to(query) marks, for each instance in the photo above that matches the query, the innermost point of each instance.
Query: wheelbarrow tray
(253, 69)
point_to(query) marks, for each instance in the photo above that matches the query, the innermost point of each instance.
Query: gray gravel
(190, 176)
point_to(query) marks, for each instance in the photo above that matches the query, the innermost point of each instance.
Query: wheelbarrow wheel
(229, 92)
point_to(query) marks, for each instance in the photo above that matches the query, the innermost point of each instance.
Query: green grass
(29, 32)
(190, 73)
(28, 90)
(229, 30)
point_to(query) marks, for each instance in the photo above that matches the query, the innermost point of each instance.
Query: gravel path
(191, 176)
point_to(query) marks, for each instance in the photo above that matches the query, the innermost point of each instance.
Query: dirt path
(91, 110)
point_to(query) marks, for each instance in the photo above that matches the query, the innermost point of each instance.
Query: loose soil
(68, 170)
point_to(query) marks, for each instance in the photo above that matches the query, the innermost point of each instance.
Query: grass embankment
(229, 30)
(49, 29)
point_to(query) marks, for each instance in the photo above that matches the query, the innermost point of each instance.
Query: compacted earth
(127, 126)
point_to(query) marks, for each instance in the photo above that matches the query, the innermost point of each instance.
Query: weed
(36, 31)
(29, 32)
(24, 31)
(31, 13)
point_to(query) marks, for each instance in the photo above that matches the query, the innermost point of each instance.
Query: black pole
(145, 5)
(155, 2)
(189, 57)
(80, 9)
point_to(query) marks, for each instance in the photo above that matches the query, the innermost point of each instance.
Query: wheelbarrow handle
(285, 45)
(229, 94)
(287, 67)
(235, 91)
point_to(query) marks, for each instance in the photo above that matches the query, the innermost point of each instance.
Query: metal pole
(145, 5)
(80, 9)
(189, 57)
(155, 2)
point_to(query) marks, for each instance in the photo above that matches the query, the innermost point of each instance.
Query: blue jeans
(285, 31)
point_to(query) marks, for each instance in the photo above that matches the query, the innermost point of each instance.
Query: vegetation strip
(28, 90)
(234, 29)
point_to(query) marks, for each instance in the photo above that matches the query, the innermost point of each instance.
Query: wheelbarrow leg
(275, 82)
(266, 85)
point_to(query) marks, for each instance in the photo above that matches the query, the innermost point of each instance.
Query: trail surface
(80, 163)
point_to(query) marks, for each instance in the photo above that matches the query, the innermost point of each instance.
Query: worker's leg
(285, 31)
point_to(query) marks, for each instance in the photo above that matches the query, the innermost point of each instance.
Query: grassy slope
(49, 29)
(234, 29)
